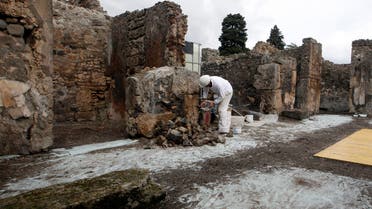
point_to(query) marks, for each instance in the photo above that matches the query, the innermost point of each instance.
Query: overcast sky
(334, 23)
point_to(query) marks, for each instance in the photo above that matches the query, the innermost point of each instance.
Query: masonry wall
(26, 87)
(309, 72)
(152, 37)
(335, 87)
(272, 80)
(361, 77)
(81, 50)
(239, 70)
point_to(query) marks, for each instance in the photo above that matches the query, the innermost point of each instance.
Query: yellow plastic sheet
(356, 148)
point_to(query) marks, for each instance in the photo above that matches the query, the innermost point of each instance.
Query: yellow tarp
(356, 148)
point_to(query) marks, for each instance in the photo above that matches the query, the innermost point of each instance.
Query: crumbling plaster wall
(152, 37)
(82, 49)
(26, 87)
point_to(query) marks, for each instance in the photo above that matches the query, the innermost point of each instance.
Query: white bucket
(237, 130)
(249, 118)
(237, 121)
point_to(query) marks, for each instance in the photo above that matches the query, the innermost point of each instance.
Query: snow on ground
(292, 188)
(76, 163)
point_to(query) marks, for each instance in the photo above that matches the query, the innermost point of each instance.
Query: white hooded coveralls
(223, 92)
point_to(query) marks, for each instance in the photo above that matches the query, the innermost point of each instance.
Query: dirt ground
(298, 153)
(275, 152)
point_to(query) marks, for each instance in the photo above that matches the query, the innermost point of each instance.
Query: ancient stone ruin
(361, 77)
(270, 80)
(67, 62)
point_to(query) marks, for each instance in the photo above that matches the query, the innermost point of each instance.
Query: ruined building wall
(26, 116)
(360, 99)
(309, 66)
(152, 37)
(82, 48)
(273, 80)
(335, 87)
(239, 70)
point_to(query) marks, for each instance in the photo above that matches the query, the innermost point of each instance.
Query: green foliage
(276, 38)
(233, 35)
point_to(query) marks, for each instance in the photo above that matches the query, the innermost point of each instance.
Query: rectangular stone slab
(356, 148)
(120, 189)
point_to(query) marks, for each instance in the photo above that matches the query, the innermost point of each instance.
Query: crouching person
(223, 92)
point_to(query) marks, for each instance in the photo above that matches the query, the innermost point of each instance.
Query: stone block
(3, 24)
(271, 101)
(19, 112)
(16, 30)
(185, 82)
(10, 90)
(120, 189)
(267, 77)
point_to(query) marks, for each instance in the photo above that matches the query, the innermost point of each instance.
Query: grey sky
(334, 23)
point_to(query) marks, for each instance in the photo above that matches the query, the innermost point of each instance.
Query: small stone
(29, 27)
(11, 20)
(16, 30)
(3, 25)
(175, 136)
(19, 112)
(221, 139)
(182, 129)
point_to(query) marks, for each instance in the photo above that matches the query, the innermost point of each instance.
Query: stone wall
(239, 70)
(361, 50)
(361, 77)
(210, 55)
(309, 66)
(26, 86)
(335, 87)
(152, 37)
(264, 82)
(272, 80)
(82, 50)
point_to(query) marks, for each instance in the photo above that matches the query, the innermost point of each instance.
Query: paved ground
(267, 166)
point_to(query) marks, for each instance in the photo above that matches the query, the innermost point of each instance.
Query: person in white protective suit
(223, 92)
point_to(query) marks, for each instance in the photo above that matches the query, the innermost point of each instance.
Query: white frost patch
(293, 188)
(71, 168)
(78, 150)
